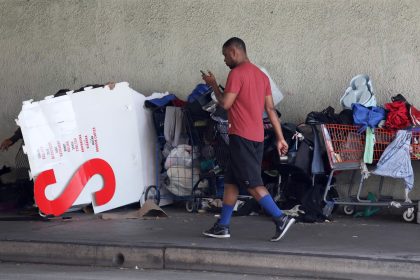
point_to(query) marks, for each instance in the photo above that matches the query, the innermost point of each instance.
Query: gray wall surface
(312, 48)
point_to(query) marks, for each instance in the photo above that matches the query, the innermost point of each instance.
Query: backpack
(313, 202)
(298, 190)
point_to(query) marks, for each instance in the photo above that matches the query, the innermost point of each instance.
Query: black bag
(16, 195)
(158, 115)
(325, 116)
(312, 204)
(346, 117)
(5, 169)
(249, 206)
(195, 105)
(294, 186)
(300, 153)
(398, 97)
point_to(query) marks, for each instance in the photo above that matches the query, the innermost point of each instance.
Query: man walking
(246, 95)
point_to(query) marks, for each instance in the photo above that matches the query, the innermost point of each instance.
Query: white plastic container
(63, 133)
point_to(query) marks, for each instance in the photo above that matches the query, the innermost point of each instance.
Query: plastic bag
(275, 91)
(182, 155)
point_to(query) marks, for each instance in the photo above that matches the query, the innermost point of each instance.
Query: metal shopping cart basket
(214, 146)
(345, 149)
(194, 171)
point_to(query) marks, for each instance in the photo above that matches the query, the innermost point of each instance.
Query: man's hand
(282, 147)
(225, 99)
(6, 144)
(210, 79)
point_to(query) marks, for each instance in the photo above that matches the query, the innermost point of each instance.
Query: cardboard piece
(149, 210)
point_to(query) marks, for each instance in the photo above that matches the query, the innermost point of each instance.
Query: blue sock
(270, 206)
(227, 211)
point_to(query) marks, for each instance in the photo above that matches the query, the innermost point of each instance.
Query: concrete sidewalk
(381, 246)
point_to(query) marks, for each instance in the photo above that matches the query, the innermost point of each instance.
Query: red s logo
(72, 191)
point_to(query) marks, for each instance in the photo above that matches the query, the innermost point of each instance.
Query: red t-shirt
(246, 114)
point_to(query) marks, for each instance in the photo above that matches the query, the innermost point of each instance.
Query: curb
(81, 254)
(280, 263)
(233, 261)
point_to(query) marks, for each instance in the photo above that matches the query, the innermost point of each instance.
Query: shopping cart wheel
(189, 206)
(152, 193)
(193, 205)
(349, 210)
(409, 215)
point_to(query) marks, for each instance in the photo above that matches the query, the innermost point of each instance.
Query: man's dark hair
(236, 42)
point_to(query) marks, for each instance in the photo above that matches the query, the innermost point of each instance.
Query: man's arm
(7, 143)
(225, 99)
(17, 135)
(282, 146)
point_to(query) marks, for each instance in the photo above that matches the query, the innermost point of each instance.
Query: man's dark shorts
(244, 168)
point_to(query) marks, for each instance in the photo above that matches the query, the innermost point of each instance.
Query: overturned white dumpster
(95, 146)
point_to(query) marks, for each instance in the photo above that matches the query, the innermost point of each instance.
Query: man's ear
(234, 52)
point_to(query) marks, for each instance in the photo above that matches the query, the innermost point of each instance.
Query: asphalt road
(23, 271)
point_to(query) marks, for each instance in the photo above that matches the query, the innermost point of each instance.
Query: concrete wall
(312, 48)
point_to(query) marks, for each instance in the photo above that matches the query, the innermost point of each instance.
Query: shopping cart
(213, 141)
(191, 172)
(345, 148)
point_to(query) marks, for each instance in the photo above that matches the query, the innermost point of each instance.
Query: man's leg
(282, 221)
(221, 227)
(230, 196)
(264, 198)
